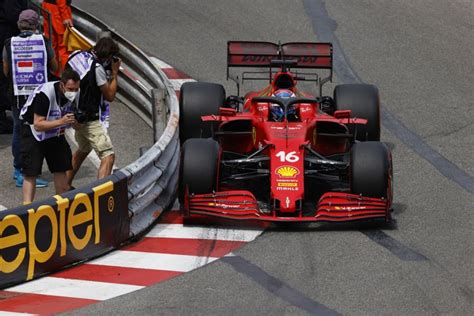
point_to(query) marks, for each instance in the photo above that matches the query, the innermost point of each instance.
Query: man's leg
(61, 182)
(106, 165)
(77, 159)
(29, 189)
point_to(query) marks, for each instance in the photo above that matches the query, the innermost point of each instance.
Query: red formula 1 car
(280, 154)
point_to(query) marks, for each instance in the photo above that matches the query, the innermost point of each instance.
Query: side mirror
(227, 111)
(342, 114)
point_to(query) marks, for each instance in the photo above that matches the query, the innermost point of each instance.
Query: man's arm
(109, 89)
(42, 124)
(6, 66)
(52, 61)
(64, 12)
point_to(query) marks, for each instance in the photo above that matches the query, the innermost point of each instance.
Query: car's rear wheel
(371, 170)
(196, 100)
(364, 102)
(199, 167)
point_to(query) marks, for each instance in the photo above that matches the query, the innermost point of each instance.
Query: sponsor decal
(224, 206)
(287, 184)
(287, 201)
(287, 171)
(349, 208)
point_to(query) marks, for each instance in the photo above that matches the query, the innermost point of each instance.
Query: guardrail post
(158, 113)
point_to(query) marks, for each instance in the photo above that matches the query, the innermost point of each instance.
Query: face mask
(70, 95)
(106, 63)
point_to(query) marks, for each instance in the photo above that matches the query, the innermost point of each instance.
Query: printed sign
(41, 237)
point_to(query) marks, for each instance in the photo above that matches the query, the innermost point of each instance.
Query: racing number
(289, 157)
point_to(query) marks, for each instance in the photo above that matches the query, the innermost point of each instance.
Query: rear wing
(260, 54)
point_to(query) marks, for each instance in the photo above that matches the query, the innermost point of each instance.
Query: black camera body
(79, 115)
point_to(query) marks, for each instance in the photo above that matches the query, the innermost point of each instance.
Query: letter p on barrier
(36, 255)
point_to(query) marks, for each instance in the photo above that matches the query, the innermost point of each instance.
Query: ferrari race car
(281, 154)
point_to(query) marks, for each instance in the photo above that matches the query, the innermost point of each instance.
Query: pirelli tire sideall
(371, 170)
(195, 100)
(199, 166)
(364, 102)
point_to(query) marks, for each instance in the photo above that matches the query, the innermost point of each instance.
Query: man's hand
(68, 22)
(116, 65)
(68, 119)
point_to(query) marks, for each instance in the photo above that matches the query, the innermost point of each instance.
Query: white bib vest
(55, 112)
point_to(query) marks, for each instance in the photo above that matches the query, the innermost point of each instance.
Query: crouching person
(46, 114)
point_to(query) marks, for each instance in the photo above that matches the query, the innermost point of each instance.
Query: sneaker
(16, 173)
(40, 183)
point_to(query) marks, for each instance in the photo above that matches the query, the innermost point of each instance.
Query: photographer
(95, 90)
(46, 114)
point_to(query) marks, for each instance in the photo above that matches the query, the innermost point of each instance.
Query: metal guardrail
(152, 179)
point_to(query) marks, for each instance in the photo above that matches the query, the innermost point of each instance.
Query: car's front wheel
(371, 170)
(199, 167)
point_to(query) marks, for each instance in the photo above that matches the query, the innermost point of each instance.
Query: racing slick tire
(364, 102)
(199, 166)
(195, 100)
(371, 170)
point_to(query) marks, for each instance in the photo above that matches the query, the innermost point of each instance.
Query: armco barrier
(82, 224)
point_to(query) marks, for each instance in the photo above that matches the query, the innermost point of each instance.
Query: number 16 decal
(287, 157)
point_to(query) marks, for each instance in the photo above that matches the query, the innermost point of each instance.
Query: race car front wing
(242, 205)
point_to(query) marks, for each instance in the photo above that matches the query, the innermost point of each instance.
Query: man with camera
(96, 89)
(46, 114)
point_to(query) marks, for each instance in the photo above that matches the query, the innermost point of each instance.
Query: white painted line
(177, 83)
(159, 63)
(3, 313)
(2, 208)
(92, 290)
(153, 261)
(208, 233)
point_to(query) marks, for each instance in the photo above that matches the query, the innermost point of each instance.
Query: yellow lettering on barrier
(74, 219)
(62, 206)
(100, 190)
(63, 224)
(36, 255)
(12, 240)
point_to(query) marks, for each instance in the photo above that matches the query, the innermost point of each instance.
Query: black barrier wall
(48, 235)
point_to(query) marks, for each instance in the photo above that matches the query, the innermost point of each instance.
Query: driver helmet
(276, 110)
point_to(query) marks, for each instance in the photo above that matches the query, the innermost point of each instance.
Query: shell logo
(287, 172)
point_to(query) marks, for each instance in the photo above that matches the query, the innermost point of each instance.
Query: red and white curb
(176, 77)
(168, 250)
